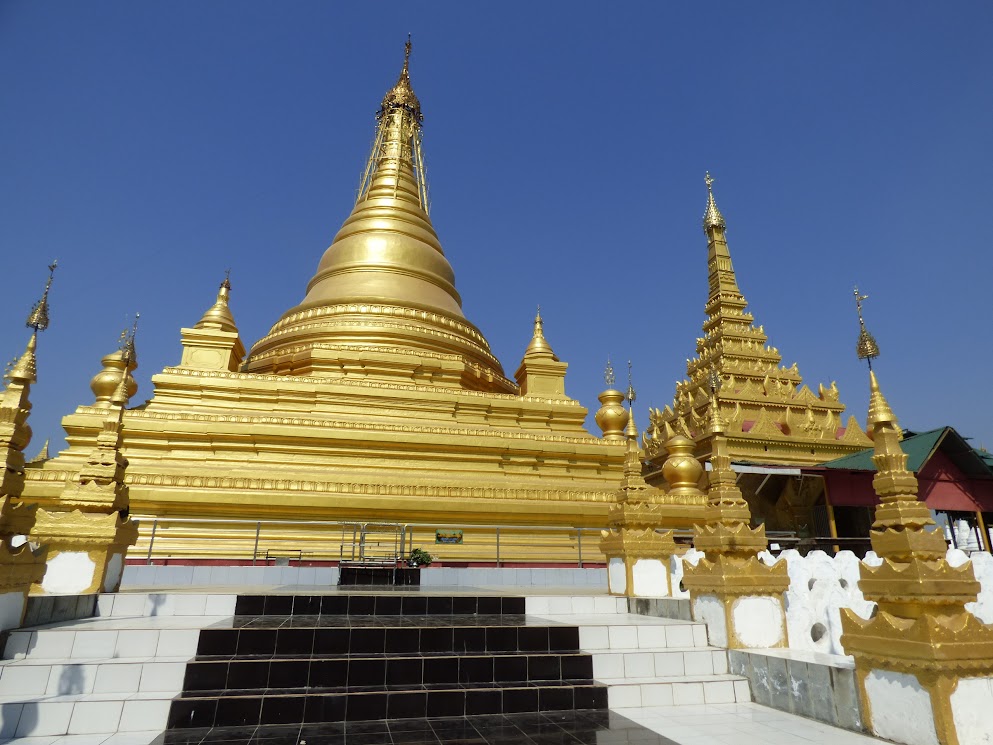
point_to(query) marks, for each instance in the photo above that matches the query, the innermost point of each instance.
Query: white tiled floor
(738, 724)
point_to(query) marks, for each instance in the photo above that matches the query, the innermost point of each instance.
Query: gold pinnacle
(38, 317)
(866, 347)
(631, 395)
(608, 375)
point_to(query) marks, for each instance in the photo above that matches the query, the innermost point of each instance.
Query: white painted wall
(69, 571)
(649, 577)
(972, 702)
(112, 577)
(11, 610)
(757, 621)
(617, 581)
(709, 609)
(901, 708)
(982, 565)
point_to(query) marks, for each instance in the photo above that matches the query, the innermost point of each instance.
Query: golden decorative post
(731, 590)
(541, 373)
(611, 417)
(19, 566)
(924, 665)
(639, 546)
(87, 529)
(214, 343)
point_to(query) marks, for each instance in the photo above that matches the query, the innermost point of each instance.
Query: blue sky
(150, 146)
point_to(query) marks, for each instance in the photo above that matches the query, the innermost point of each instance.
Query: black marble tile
(544, 667)
(389, 605)
(532, 638)
(361, 706)
(512, 606)
(439, 605)
(325, 708)
(282, 709)
(362, 605)
(217, 642)
(289, 673)
(520, 700)
(366, 672)
(367, 641)
(469, 639)
(483, 701)
(205, 675)
(475, 669)
(501, 639)
(406, 704)
(510, 668)
(404, 671)
(555, 698)
(249, 605)
(328, 673)
(464, 605)
(441, 670)
(436, 640)
(307, 605)
(248, 674)
(191, 736)
(445, 703)
(577, 667)
(414, 605)
(488, 605)
(186, 713)
(240, 711)
(278, 605)
(294, 642)
(331, 641)
(334, 605)
(563, 638)
(256, 642)
(590, 697)
(400, 640)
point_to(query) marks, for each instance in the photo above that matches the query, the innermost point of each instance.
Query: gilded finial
(866, 348)
(127, 341)
(402, 95)
(879, 408)
(38, 317)
(538, 343)
(631, 395)
(226, 284)
(608, 375)
(712, 217)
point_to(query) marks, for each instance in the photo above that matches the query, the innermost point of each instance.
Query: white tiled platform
(736, 724)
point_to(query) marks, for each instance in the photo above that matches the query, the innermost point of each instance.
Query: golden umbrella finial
(608, 375)
(38, 317)
(712, 217)
(630, 395)
(866, 348)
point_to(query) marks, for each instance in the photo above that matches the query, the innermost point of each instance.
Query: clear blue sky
(151, 145)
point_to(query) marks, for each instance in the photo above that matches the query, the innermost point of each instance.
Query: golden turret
(218, 315)
(117, 365)
(384, 285)
(214, 343)
(541, 373)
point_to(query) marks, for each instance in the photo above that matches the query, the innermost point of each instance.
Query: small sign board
(448, 536)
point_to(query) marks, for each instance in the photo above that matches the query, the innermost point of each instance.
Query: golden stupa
(374, 399)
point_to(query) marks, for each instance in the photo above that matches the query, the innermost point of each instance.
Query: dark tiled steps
(287, 659)
(373, 604)
(572, 727)
(230, 711)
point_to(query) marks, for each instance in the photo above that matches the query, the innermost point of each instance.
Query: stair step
(371, 604)
(595, 637)
(85, 714)
(230, 710)
(663, 662)
(676, 691)
(32, 677)
(145, 604)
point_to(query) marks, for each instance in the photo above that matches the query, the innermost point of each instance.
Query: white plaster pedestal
(742, 622)
(642, 578)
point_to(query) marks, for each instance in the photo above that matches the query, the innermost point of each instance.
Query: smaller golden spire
(218, 316)
(867, 348)
(608, 375)
(538, 343)
(717, 424)
(42, 455)
(38, 317)
(712, 217)
(25, 370)
(879, 408)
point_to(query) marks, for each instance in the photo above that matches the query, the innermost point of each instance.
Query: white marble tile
(608, 666)
(718, 692)
(141, 714)
(51, 644)
(137, 642)
(129, 604)
(105, 605)
(162, 676)
(656, 694)
(9, 714)
(142, 737)
(178, 642)
(95, 716)
(639, 665)
(189, 605)
(720, 659)
(700, 635)
(44, 718)
(593, 637)
(583, 604)
(623, 637)
(117, 678)
(91, 739)
(699, 663)
(622, 696)
(220, 605)
(652, 637)
(669, 664)
(687, 693)
(71, 679)
(92, 644)
(679, 636)
(24, 680)
(17, 645)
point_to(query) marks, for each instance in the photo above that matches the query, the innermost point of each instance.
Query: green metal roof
(918, 448)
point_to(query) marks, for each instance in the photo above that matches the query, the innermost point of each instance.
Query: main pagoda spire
(384, 283)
